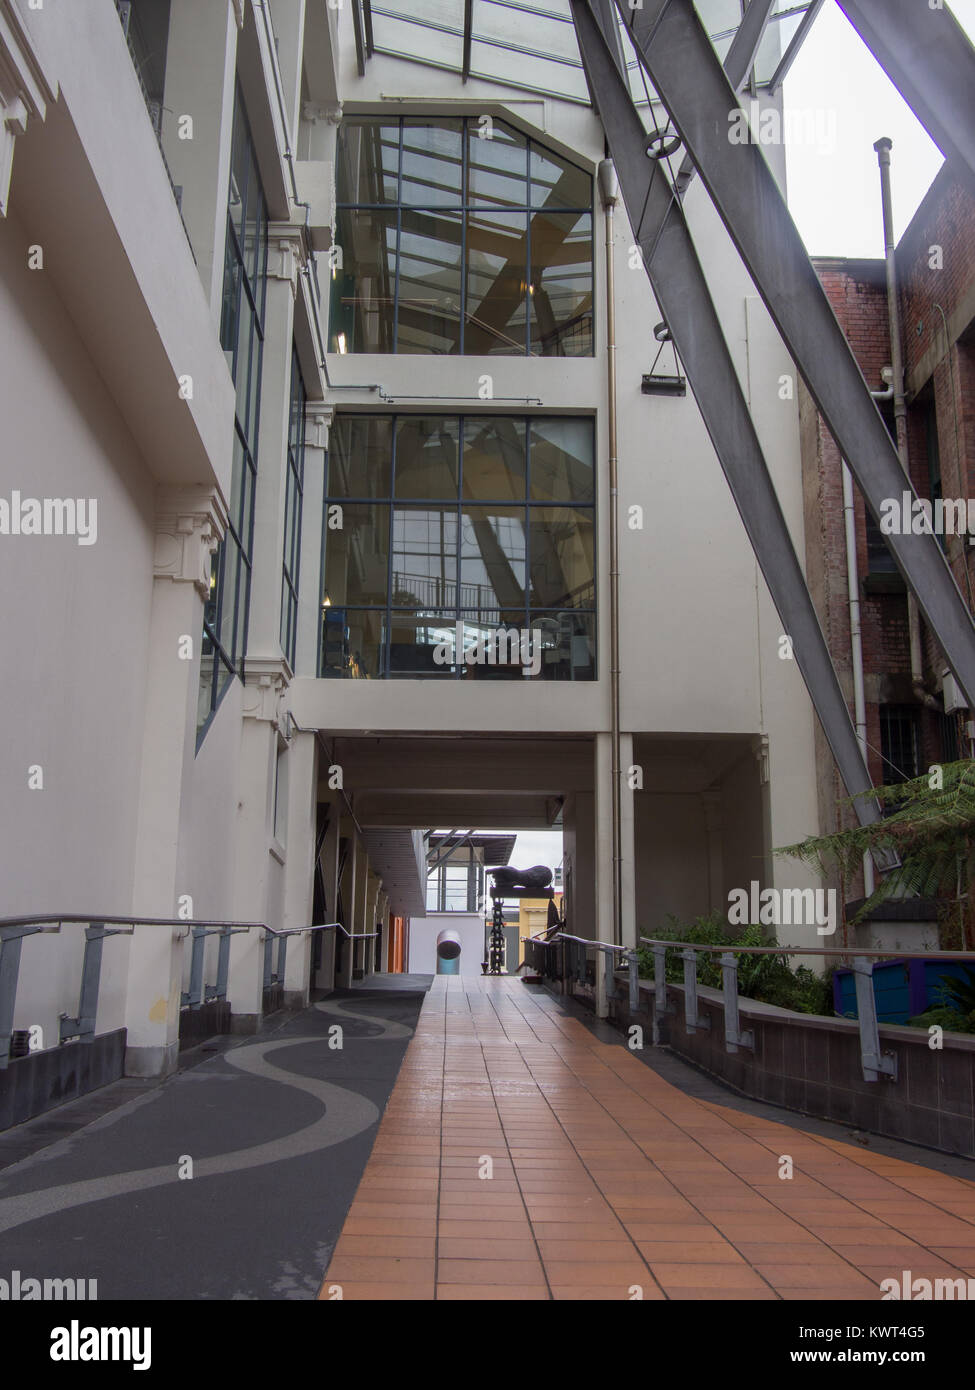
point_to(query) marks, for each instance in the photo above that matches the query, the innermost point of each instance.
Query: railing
(15, 930)
(276, 977)
(874, 1062)
(571, 962)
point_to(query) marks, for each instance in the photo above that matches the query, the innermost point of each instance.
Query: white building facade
(315, 340)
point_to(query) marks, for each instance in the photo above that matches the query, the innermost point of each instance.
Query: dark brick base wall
(34, 1084)
(812, 1064)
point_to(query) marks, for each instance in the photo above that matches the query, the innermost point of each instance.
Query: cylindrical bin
(448, 952)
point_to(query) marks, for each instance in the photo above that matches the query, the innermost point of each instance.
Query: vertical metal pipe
(609, 191)
(883, 148)
(856, 641)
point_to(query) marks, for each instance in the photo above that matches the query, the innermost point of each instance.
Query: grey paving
(276, 1130)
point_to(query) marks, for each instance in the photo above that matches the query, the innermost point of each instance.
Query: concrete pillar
(189, 523)
(325, 977)
(360, 919)
(630, 922)
(201, 63)
(264, 622)
(318, 419)
(262, 711)
(354, 869)
(603, 859)
(368, 959)
(299, 867)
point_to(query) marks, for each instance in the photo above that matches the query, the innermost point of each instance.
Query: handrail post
(11, 940)
(733, 1036)
(84, 1025)
(660, 981)
(633, 967)
(223, 963)
(268, 947)
(874, 1063)
(194, 995)
(282, 957)
(692, 1019)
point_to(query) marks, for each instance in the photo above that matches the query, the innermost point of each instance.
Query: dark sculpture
(521, 880)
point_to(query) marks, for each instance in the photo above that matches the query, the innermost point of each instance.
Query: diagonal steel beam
(674, 47)
(798, 39)
(678, 282)
(737, 64)
(927, 55)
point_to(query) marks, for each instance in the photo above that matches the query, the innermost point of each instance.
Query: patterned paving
(607, 1182)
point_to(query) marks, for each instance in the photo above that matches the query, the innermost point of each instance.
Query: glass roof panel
(531, 44)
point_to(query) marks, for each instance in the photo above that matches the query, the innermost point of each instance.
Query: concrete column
(354, 869)
(262, 710)
(201, 61)
(368, 960)
(299, 868)
(318, 419)
(325, 978)
(360, 920)
(603, 859)
(264, 623)
(189, 523)
(630, 924)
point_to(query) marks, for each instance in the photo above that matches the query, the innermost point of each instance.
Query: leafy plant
(928, 834)
(767, 978)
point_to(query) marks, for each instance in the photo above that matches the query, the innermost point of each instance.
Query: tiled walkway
(608, 1182)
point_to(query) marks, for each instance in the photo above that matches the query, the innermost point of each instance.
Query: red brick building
(908, 707)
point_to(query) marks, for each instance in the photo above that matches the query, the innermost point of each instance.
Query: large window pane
(426, 456)
(433, 163)
(357, 555)
(562, 569)
(555, 183)
(414, 640)
(360, 456)
(424, 557)
(430, 282)
(561, 285)
(497, 281)
(501, 643)
(492, 557)
(494, 459)
(353, 641)
(567, 645)
(367, 161)
(497, 166)
(561, 461)
(361, 317)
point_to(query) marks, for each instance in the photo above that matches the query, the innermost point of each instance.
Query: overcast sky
(835, 196)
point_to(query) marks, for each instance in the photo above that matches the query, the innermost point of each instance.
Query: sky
(833, 178)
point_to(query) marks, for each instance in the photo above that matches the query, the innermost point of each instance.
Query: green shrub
(765, 978)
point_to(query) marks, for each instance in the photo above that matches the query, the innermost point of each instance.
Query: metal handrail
(60, 917)
(810, 950)
(874, 1062)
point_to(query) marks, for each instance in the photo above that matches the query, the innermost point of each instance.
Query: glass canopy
(532, 46)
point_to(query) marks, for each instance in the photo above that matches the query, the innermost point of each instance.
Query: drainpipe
(609, 191)
(856, 642)
(883, 148)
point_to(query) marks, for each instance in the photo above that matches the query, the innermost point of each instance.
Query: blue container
(902, 988)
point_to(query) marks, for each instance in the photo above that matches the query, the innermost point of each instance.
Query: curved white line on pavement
(347, 1114)
(390, 1030)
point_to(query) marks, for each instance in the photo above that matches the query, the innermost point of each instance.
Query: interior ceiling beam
(681, 63)
(678, 282)
(927, 55)
(798, 39)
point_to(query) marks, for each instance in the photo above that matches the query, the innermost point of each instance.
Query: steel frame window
(225, 614)
(398, 216)
(294, 494)
(455, 601)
